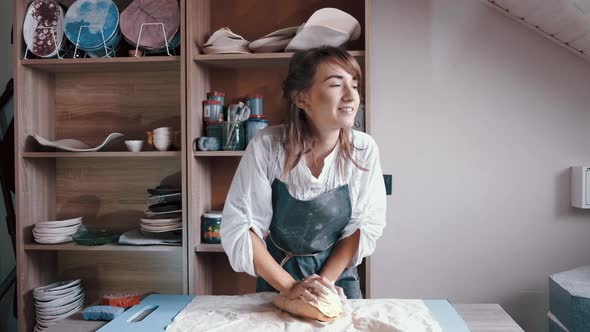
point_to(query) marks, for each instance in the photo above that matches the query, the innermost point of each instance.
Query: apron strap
(289, 254)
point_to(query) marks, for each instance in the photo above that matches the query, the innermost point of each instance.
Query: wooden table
(479, 318)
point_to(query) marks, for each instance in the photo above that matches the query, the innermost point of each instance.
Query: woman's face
(333, 98)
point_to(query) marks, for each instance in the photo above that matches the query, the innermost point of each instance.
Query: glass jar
(214, 129)
(234, 138)
(254, 125)
(210, 227)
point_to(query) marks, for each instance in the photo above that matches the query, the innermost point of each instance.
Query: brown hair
(298, 139)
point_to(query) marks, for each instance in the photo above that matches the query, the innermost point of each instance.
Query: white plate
(151, 213)
(61, 230)
(59, 223)
(162, 226)
(50, 313)
(53, 320)
(70, 291)
(160, 231)
(53, 240)
(154, 197)
(73, 145)
(156, 221)
(46, 301)
(60, 285)
(47, 313)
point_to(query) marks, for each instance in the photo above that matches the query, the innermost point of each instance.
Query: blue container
(253, 126)
(255, 104)
(87, 21)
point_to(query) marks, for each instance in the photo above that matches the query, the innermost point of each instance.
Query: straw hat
(327, 26)
(275, 41)
(225, 41)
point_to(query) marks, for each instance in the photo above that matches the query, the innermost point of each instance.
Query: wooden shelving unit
(210, 173)
(87, 99)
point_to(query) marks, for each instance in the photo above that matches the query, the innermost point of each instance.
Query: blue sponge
(102, 312)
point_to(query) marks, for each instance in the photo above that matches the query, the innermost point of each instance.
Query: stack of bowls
(57, 301)
(163, 138)
(58, 231)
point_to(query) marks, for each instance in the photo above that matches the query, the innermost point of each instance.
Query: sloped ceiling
(565, 22)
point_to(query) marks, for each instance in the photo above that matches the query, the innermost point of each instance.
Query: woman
(308, 200)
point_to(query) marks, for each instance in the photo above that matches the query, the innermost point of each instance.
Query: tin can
(212, 111)
(253, 126)
(220, 97)
(210, 227)
(255, 104)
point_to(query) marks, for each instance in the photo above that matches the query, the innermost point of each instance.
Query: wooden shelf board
(123, 64)
(254, 59)
(208, 247)
(218, 153)
(109, 154)
(71, 246)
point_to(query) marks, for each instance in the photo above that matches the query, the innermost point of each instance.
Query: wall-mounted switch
(388, 183)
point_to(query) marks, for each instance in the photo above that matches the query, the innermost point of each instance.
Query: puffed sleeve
(368, 212)
(248, 205)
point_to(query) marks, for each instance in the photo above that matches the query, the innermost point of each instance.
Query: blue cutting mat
(167, 307)
(446, 315)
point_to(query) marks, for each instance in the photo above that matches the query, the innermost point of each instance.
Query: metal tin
(43, 28)
(253, 126)
(216, 95)
(255, 103)
(211, 227)
(86, 22)
(150, 13)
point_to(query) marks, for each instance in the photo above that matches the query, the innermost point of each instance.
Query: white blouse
(249, 201)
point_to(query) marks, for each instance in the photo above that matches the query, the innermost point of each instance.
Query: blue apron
(302, 235)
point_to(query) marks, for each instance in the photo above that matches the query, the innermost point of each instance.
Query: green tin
(211, 227)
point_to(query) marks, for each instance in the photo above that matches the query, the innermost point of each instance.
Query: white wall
(478, 119)
(7, 321)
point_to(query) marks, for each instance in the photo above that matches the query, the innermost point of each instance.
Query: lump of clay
(326, 308)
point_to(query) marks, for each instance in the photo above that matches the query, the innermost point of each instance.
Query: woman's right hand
(310, 288)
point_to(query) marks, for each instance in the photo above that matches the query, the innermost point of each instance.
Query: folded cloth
(325, 27)
(225, 41)
(135, 237)
(255, 312)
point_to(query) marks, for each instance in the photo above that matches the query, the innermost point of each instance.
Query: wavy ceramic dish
(73, 145)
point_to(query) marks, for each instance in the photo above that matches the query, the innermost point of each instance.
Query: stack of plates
(164, 211)
(160, 225)
(58, 231)
(57, 301)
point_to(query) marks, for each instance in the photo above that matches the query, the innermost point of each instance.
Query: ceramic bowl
(162, 144)
(134, 145)
(163, 131)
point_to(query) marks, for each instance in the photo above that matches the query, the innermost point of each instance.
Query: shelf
(71, 246)
(107, 154)
(218, 153)
(207, 247)
(123, 64)
(254, 59)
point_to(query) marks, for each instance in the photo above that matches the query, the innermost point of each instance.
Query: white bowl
(162, 145)
(134, 145)
(163, 131)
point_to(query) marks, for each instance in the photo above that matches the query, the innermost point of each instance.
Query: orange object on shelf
(123, 300)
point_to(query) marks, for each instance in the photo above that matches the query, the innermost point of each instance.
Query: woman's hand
(310, 289)
(342, 295)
